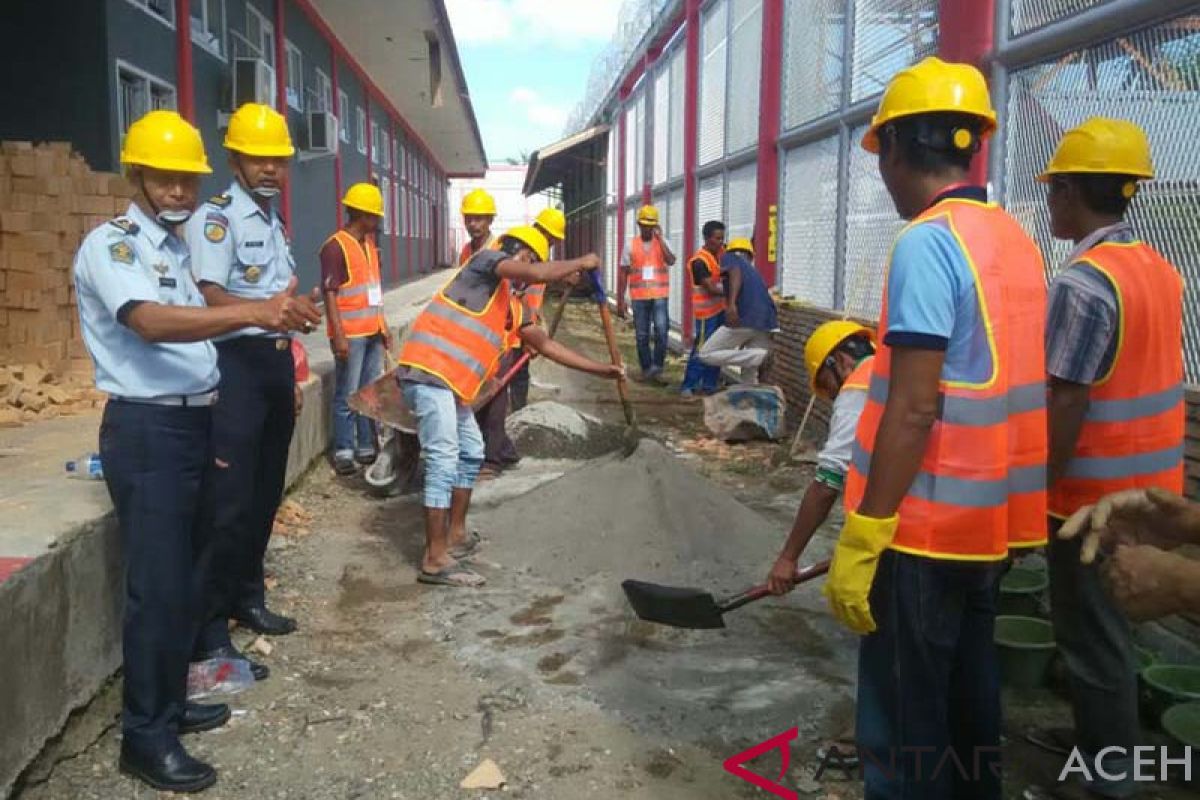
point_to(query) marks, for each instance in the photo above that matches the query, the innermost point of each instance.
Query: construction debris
(742, 413)
(292, 519)
(486, 776)
(261, 646)
(30, 392)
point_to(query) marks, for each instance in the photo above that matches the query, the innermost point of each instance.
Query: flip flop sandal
(456, 576)
(842, 752)
(469, 546)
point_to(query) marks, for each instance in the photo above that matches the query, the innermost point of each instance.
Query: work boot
(200, 717)
(169, 770)
(261, 620)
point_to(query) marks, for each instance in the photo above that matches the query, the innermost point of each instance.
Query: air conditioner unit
(322, 132)
(253, 82)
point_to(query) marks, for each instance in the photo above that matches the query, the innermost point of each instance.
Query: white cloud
(545, 22)
(524, 95)
(538, 112)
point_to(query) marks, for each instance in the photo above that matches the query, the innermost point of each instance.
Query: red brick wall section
(796, 323)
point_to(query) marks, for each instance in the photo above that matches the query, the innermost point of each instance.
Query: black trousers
(252, 430)
(518, 390)
(498, 448)
(154, 461)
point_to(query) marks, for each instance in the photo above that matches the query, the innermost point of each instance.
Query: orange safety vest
(981, 488)
(641, 257)
(360, 298)
(466, 253)
(860, 377)
(705, 305)
(1132, 435)
(460, 346)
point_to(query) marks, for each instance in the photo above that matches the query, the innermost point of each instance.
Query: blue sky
(527, 64)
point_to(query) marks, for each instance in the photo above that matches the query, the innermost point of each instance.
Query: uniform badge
(253, 274)
(214, 231)
(124, 225)
(161, 269)
(220, 200)
(121, 252)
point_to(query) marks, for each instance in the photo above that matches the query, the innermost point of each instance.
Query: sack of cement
(745, 412)
(553, 430)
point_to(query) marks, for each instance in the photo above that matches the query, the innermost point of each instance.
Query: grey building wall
(57, 91)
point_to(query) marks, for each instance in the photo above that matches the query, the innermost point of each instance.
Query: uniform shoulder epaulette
(124, 225)
(220, 200)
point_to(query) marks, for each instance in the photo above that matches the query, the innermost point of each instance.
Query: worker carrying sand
(1116, 416)
(1137, 529)
(948, 470)
(478, 210)
(454, 346)
(838, 356)
(147, 328)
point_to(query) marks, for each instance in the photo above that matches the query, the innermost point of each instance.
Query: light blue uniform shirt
(932, 295)
(241, 248)
(129, 260)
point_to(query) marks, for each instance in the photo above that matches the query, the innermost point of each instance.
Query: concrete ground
(395, 690)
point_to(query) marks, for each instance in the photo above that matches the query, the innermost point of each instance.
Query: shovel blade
(383, 402)
(674, 606)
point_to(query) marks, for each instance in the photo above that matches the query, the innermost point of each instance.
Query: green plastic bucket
(1168, 685)
(1182, 723)
(1020, 592)
(1026, 647)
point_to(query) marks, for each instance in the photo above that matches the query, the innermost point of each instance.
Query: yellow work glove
(848, 587)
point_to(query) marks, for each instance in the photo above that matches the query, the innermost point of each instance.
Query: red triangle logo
(782, 743)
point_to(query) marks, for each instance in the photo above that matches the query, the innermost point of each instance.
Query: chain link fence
(1151, 77)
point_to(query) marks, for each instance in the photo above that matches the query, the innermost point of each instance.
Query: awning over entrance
(552, 164)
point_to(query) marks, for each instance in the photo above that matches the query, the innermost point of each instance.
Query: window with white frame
(401, 158)
(295, 76)
(343, 115)
(360, 117)
(322, 92)
(208, 25)
(139, 93)
(374, 141)
(261, 34)
(385, 188)
(385, 148)
(162, 10)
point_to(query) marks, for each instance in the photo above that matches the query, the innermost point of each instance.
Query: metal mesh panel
(672, 205)
(889, 35)
(745, 74)
(740, 202)
(1152, 78)
(710, 201)
(661, 123)
(612, 253)
(813, 59)
(807, 255)
(610, 188)
(713, 46)
(871, 226)
(675, 156)
(630, 147)
(639, 148)
(1030, 14)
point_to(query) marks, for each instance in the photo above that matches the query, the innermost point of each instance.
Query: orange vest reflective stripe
(466, 253)
(705, 305)
(360, 317)
(650, 257)
(458, 345)
(1132, 435)
(981, 488)
(535, 295)
(860, 377)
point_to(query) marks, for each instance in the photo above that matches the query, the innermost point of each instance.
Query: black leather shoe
(259, 671)
(170, 771)
(260, 620)
(200, 717)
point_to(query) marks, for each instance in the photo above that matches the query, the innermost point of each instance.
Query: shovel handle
(759, 592)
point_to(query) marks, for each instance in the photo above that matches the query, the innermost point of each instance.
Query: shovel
(695, 608)
(631, 428)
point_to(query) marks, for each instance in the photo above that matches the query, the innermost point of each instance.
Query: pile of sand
(553, 430)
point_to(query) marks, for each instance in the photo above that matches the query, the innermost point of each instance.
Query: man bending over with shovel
(454, 346)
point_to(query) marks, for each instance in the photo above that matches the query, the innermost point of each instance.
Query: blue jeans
(929, 683)
(699, 377)
(450, 439)
(354, 434)
(651, 347)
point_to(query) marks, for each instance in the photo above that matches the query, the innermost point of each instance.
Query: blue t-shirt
(933, 301)
(755, 307)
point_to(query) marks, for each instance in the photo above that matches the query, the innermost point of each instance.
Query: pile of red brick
(29, 392)
(49, 199)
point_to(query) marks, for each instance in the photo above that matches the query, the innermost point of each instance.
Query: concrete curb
(61, 606)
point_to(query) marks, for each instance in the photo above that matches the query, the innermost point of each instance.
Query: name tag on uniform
(648, 273)
(374, 296)
(168, 283)
(253, 244)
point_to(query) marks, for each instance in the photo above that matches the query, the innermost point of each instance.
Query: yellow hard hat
(364, 197)
(529, 235)
(929, 87)
(741, 243)
(824, 340)
(164, 140)
(647, 215)
(554, 222)
(259, 130)
(477, 202)
(1102, 146)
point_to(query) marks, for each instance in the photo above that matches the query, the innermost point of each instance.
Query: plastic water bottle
(86, 467)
